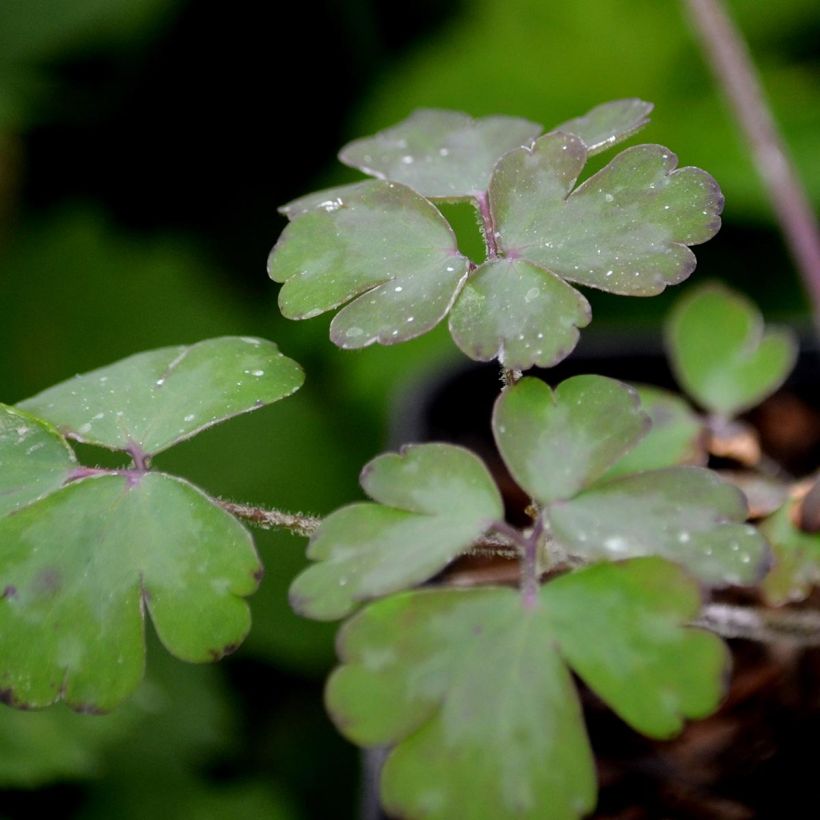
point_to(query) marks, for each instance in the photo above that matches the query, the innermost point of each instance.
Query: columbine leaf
(328, 199)
(153, 400)
(796, 558)
(34, 459)
(79, 567)
(675, 437)
(555, 443)
(473, 691)
(721, 352)
(624, 230)
(608, 124)
(387, 243)
(440, 154)
(434, 501)
(686, 514)
(518, 313)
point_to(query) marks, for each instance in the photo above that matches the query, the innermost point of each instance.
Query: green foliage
(154, 400)
(441, 154)
(722, 353)
(434, 500)
(129, 540)
(625, 230)
(557, 444)
(796, 558)
(676, 435)
(474, 692)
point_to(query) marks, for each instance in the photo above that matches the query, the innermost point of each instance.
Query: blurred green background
(144, 147)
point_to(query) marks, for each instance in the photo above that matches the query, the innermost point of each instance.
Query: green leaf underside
(434, 500)
(624, 230)
(34, 459)
(556, 442)
(608, 124)
(675, 437)
(79, 567)
(440, 154)
(796, 558)
(328, 199)
(155, 399)
(518, 313)
(388, 244)
(472, 688)
(721, 352)
(685, 514)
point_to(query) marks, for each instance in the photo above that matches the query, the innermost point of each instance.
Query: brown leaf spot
(9, 592)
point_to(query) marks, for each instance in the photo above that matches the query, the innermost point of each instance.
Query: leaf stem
(731, 62)
(487, 225)
(530, 583)
(801, 627)
(269, 519)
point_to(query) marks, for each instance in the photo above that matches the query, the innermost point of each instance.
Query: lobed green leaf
(440, 154)
(608, 124)
(79, 568)
(35, 459)
(721, 352)
(796, 567)
(153, 400)
(675, 437)
(518, 313)
(557, 442)
(434, 500)
(386, 243)
(685, 514)
(624, 230)
(472, 689)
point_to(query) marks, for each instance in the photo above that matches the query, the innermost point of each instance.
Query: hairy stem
(269, 519)
(801, 627)
(487, 225)
(732, 64)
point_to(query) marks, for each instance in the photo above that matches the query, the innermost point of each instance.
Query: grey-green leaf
(472, 691)
(624, 230)
(328, 199)
(440, 154)
(721, 352)
(434, 500)
(34, 459)
(388, 244)
(685, 514)
(608, 124)
(79, 568)
(676, 436)
(152, 400)
(796, 558)
(518, 313)
(555, 443)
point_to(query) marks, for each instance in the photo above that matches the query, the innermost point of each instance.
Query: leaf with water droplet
(441, 154)
(434, 500)
(474, 693)
(675, 437)
(556, 443)
(328, 199)
(79, 568)
(796, 567)
(624, 230)
(388, 244)
(518, 313)
(686, 514)
(608, 124)
(155, 399)
(35, 459)
(722, 353)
